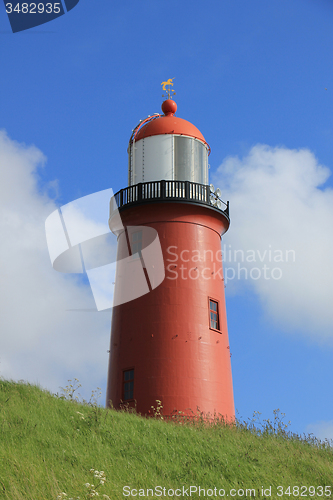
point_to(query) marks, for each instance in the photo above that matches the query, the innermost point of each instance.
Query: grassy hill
(50, 444)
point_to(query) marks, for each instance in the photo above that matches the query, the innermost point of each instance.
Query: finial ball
(169, 107)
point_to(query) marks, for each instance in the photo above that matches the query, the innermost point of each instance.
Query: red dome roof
(169, 124)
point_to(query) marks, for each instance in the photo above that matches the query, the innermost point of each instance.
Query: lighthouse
(170, 344)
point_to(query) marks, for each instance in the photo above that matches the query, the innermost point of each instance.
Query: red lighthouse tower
(171, 344)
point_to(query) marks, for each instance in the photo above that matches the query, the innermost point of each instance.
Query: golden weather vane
(167, 88)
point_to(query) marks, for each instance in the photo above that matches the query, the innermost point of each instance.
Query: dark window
(214, 314)
(128, 385)
(136, 243)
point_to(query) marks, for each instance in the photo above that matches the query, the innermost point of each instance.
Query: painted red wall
(165, 334)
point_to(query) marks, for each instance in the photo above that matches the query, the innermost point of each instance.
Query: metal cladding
(167, 147)
(169, 157)
(171, 344)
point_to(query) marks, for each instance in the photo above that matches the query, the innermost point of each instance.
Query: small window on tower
(214, 314)
(136, 243)
(128, 385)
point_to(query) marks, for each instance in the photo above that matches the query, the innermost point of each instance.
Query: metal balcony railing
(169, 191)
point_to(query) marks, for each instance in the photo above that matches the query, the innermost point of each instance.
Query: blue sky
(255, 76)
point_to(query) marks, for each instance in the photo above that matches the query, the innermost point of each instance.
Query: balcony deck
(169, 191)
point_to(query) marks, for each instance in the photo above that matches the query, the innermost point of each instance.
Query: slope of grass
(48, 445)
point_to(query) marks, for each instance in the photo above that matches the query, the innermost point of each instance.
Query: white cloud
(278, 202)
(321, 430)
(41, 341)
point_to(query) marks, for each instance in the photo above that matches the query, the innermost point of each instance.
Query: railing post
(163, 190)
(140, 191)
(121, 198)
(208, 194)
(187, 190)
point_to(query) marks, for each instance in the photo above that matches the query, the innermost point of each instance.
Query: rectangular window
(136, 243)
(128, 385)
(214, 314)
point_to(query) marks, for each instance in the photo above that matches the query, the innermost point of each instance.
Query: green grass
(46, 447)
